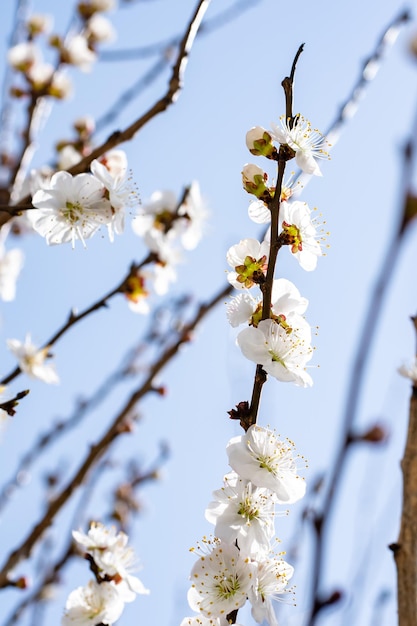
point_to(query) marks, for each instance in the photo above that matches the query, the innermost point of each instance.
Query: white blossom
(70, 208)
(308, 144)
(249, 260)
(93, 604)
(244, 513)
(265, 460)
(285, 300)
(33, 361)
(271, 583)
(300, 233)
(282, 352)
(163, 216)
(258, 210)
(120, 194)
(221, 580)
(113, 557)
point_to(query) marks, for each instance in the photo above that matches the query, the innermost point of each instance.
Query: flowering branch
(274, 206)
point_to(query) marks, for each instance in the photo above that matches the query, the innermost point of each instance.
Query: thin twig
(74, 318)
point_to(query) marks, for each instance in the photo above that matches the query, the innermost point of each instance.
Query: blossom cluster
(279, 339)
(102, 600)
(239, 563)
(168, 226)
(78, 49)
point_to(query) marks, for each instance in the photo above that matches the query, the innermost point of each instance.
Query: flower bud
(259, 142)
(254, 181)
(85, 125)
(38, 24)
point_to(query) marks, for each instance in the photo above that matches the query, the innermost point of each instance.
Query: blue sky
(232, 83)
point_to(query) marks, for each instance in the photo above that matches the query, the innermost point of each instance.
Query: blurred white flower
(93, 604)
(99, 29)
(22, 56)
(67, 157)
(33, 361)
(39, 23)
(76, 52)
(409, 371)
(11, 263)
(61, 86)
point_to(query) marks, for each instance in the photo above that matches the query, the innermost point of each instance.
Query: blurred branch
(321, 520)
(74, 318)
(51, 577)
(9, 406)
(130, 94)
(20, 17)
(84, 406)
(161, 47)
(119, 426)
(370, 68)
(57, 431)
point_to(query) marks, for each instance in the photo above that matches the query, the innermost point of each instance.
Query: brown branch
(405, 550)
(118, 427)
